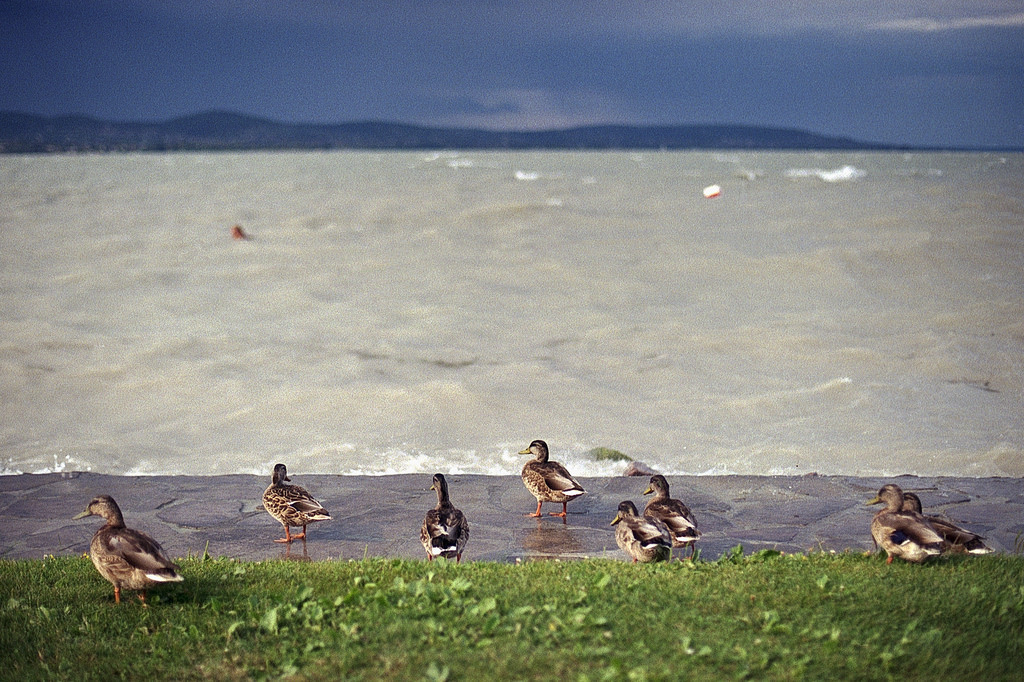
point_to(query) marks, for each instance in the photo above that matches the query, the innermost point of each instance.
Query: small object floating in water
(712, 191)
(238, 233)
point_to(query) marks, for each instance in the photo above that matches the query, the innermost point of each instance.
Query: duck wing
(557, 477)
(958, 537)
(301, 501)
(909, 527)
(677, 516)
(141, 552)
(650, 533)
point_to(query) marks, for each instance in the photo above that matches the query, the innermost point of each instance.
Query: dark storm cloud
(923, 72)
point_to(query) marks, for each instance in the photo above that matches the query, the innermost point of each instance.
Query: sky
(915, 72)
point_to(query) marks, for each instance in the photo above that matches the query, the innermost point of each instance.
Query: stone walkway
(381, 516)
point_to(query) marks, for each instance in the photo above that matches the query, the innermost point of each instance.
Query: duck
(641, 537)
(292, 505)
(904, 534)
(445, 529)
(958, 540)
(548, 481)
(128, 559)
(673, 513)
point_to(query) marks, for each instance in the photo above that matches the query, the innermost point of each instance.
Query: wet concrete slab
(381, 515)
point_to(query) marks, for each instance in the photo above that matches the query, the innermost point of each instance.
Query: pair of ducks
(902, 530)
(444, 533)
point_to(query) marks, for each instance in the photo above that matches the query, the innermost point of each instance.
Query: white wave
(527, 175)
(843, 174)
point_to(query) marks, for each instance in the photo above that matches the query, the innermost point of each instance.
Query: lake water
(844, 313)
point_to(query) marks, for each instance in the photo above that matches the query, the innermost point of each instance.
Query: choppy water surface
(412, 312)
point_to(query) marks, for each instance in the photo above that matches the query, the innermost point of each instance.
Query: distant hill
(216, 130)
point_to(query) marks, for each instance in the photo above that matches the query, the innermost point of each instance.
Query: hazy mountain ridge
(219, 130)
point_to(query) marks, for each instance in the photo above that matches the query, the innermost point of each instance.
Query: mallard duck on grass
(292, 505)
(957, 539)
(548, 481)
(903, 534)
(641, 537)
(127, 558)
(445, 529)
(673, 513)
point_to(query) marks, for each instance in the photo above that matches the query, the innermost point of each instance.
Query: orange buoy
(238, 233)
(712, 191)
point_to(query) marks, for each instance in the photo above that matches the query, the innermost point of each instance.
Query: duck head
(539, 450)
(626, 510)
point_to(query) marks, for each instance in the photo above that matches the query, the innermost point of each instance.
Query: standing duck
(673, 513)
(445, 529)
(127, 558)
(548, 481)
(903, 534)
(641, 537)
(292, 505)
(957, 539)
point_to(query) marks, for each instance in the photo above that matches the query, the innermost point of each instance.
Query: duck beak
(82, 515)
(615, 520)
(649, 490)
(872, 501)
(433, 487)
(524, 452)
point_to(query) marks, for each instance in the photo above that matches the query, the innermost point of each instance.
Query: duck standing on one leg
(292, 505)
(127, 558)
(445, 529)
(957, 539)
(903, 534)
(548, 481)
(673, 513)
(644, 539)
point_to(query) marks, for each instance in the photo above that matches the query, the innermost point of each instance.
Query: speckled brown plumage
(548, 481)
(292, 505)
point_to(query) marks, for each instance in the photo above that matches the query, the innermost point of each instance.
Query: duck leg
(287, 534)
(300, 536)
(536, 514)
(117, 594)
(562, 514)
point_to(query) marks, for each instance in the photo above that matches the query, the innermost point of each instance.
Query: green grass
(817, 616)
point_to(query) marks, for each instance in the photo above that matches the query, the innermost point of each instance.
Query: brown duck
(548, 481)
(958, 540)
(127, 558)
(445, 529)
(292, 505)
(673, 513)
(644, 539)
(903, 534)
